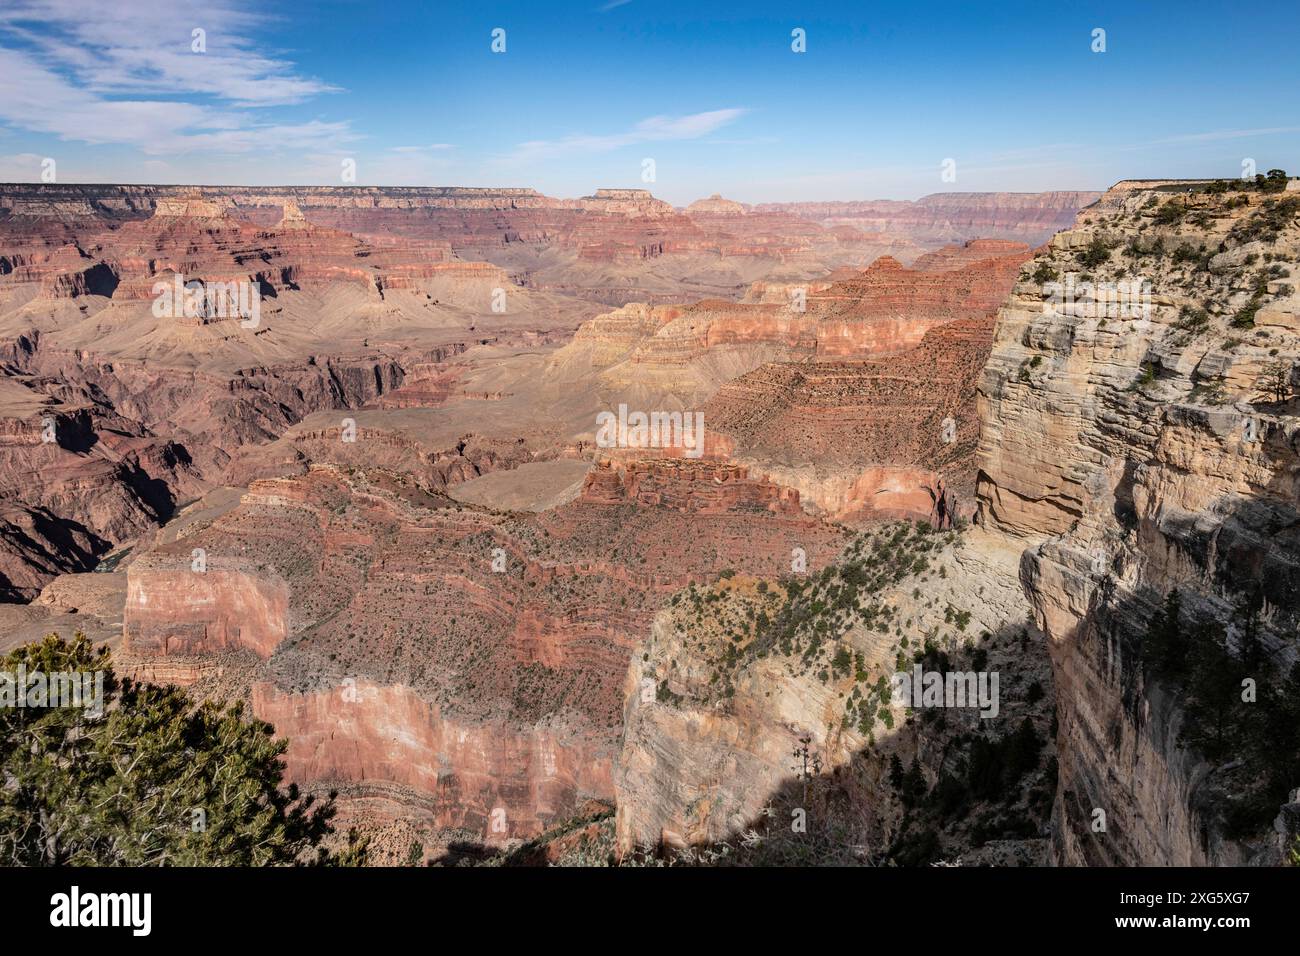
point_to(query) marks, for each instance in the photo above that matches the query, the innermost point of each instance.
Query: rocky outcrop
(863, 438)
(1144, 447)
(695, 487)
(715, 205)
(769, 721)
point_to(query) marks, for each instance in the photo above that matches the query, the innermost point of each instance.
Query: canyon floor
(595, 531)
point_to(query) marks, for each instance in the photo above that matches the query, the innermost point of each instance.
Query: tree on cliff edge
(154, 780)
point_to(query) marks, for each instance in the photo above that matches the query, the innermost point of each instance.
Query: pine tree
(1022, 749)
(895, 772)
(153, 781)
(1214, 688)
(1248, 609)
(1165, 648)
(914, 788)
(984, 769)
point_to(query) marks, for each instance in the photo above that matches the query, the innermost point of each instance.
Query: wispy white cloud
(612, 5)
(1230, 134)
(1214, 136)
(70, 70)
(395, 166)
(147, 47)
(653, 129)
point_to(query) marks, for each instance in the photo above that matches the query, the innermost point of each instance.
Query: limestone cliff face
(1138, 451)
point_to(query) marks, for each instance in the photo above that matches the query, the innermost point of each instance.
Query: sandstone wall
(187, 612)
(1131, 456)
(456, 773)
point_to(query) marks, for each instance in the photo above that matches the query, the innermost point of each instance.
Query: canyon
(383, 516)
(612, 247)
(1123, 456)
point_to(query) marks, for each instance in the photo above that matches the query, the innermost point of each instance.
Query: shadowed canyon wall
(1140, 452)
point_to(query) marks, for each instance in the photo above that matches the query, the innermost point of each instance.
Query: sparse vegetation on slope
(825, 646)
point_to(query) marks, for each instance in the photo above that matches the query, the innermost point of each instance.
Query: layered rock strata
(474, 660)
(1141, 452)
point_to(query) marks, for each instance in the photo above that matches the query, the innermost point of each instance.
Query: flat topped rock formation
(192, 206)
(715, 205)
(626, 202)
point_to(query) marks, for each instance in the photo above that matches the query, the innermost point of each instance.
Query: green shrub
(1171, 213)
(1096, 253)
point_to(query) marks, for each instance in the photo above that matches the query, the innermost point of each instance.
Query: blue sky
(585, 92)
